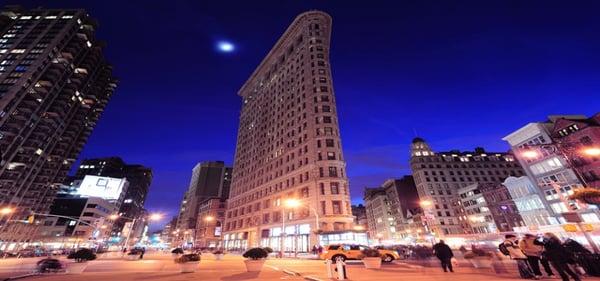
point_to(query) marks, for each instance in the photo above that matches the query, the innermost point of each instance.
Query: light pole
(426, 205)
(218, 223)
(294, 203)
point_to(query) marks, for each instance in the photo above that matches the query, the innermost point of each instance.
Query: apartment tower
(289, 147)
(439, 176)
(54, 85)
(209, 180)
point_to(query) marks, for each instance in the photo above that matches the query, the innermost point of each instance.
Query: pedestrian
(534, 255)
(320, 249)
(558, 255)
(510, 247)
(315, 250)
(444, 254)
(142, 252)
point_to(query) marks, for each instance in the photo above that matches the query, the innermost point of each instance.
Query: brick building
(289, 147)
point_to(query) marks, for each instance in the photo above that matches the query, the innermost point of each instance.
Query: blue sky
(460, 74)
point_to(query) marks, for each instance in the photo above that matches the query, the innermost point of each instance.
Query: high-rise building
(551, 154)
(168, 233)
(209, 180)
(138, 176)
(380, 221)
(388, 208)
(54, 85)
(439, 176)
(403, 197)
(473, 206)
(360, 216)
(289, 147)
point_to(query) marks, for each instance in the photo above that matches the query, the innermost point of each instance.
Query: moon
(225, 47)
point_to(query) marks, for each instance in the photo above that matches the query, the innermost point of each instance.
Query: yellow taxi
(353, 252)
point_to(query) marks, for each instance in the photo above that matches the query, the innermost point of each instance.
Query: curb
(291, 272)
(312, 278)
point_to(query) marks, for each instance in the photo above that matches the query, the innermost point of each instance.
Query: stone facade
(289, 146)
(439, 175)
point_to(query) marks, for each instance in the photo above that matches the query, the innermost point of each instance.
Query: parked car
(353, 252)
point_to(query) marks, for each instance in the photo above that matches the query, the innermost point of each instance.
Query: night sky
(458, 73)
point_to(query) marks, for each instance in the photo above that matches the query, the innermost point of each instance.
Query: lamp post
(426, 205)
(294, 203)
(218, 223)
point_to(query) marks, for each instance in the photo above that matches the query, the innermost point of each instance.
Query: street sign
(572, 217)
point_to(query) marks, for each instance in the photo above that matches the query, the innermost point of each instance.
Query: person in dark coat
(444, 254)
(558, 255)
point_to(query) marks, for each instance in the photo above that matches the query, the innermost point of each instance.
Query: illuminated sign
(103, 187)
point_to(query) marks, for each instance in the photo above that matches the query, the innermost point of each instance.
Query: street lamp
(591, 151)
(425, 203)
(218, 224)
(530, 154)
(295, 203)
(6, 210)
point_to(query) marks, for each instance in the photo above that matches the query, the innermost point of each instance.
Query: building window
(337, 207)
(304, 192)
(330, 155)
(335, 188)
(333, 172)
(329, 143)
(323, 208)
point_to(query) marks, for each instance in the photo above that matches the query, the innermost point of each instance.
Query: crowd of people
(569, 259)
(531, 251)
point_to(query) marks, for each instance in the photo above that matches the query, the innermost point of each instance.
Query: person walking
(558, 255)
(444, 254)
(510, 247)
(534, 255)
(142, 252)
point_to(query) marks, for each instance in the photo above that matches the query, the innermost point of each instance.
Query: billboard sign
(103, 187)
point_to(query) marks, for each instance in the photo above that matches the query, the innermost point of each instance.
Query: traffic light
(30, 219)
